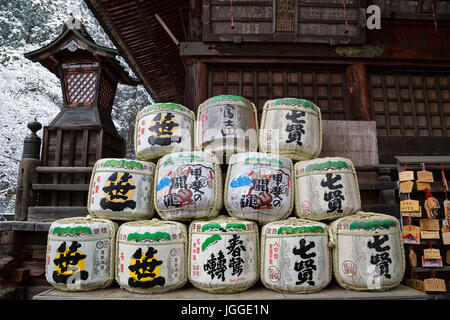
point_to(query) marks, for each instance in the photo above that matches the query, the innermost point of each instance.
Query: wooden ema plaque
(434, 285)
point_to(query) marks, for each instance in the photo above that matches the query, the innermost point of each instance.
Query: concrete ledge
(257, 293)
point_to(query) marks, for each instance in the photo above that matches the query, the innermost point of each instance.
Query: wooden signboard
(429, 224)
(411, 234)
(406, 175)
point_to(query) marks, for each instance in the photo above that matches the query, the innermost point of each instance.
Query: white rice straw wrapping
(292, 128)
(121, 189)
(326, 188)
(151, 256)
(188, 186)
(223, 254)
(259, 186)
(295, 256)
(80, 254)
(368, 251)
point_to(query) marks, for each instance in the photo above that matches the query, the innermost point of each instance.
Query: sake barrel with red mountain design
(292, 128)
(188, 186)
(368, 251)
(122, 189)
(295, 256)
(226, 124)
(326, 188)
(259, 186)
(151, 256)
(223, 254)
(163, 128)
(80, 253)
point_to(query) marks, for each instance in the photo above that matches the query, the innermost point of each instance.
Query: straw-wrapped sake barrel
(259, 186)
(326, 188)
(80, 253)
(163, 128)
(122, 189)
(225, 125)
(188, 186)
(368, 251)
(295, 256)
(151, 256)
(292, 128)
(223, 254)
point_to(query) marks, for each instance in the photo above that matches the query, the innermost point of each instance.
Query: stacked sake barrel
(206, 228)
(326, 194)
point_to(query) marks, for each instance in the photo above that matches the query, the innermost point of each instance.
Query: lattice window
(80, 87)
(285, 20)
(410, 103)
(106, 93)
(325, 87)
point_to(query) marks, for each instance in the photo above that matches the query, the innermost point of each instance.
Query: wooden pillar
(196, 83)
(358, 92)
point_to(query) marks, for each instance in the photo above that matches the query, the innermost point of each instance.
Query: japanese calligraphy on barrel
(80, 253)
(163, 128)
(223, 254)
(368, 251)
(151, 256)
(326, 188)
(295, 256)
(291, 127)
(188, 186)
(259, 186)
(225, 125)
(121, 189)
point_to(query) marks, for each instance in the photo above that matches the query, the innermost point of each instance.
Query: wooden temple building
(383, 87)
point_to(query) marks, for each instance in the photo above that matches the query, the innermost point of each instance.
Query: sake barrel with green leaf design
(80, 253)
(259, 186)
(151, 256)
(163, 128)
(122, 189)
(291, 127)
(188, 186)
(295, 256)
(226, 124)
(326, 188)
(223, 254)
(368, 251)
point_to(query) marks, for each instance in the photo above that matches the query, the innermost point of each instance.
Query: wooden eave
(142, 41)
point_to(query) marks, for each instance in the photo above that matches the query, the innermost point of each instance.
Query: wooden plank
(49, 213)
(356, 140)
(47, 170)
(61, 186)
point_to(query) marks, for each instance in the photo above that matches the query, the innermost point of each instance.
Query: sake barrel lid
(223, 223)
(291, 103)
(152, 231)
(81, 227)
(227, 99)
(187, 156)
(295, 226)
(327, 164)
(166, 107)
(261, 158)
(366, 222)
(138, 166)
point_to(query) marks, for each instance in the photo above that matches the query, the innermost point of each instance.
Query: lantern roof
(75, 44)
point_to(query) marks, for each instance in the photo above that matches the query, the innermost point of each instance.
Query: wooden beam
(55, 213)
(61, 187)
